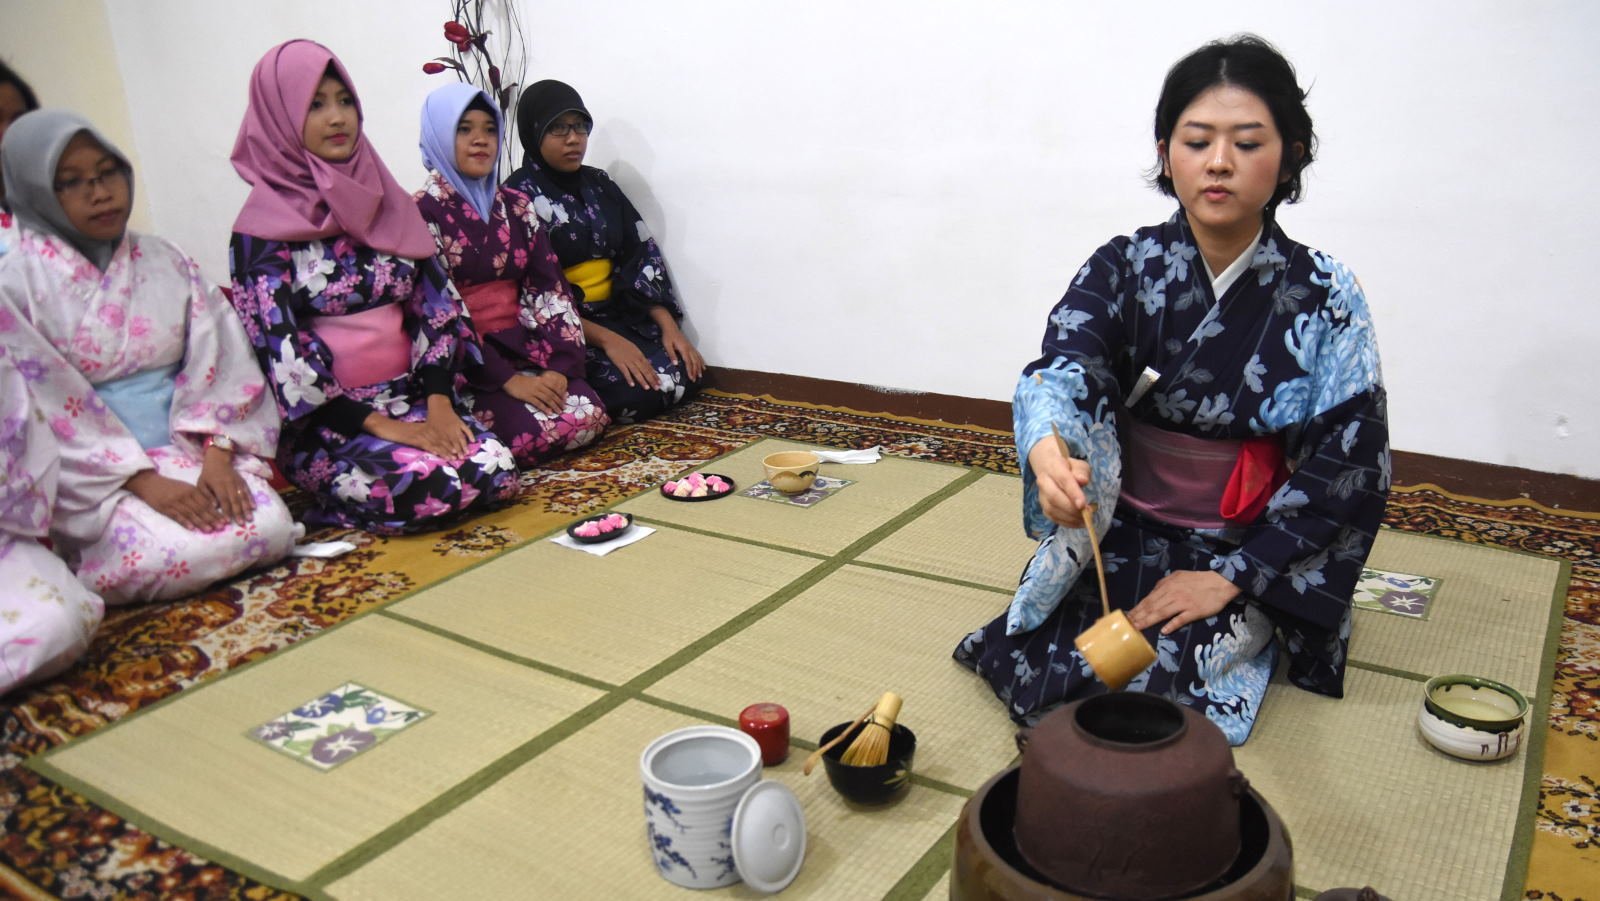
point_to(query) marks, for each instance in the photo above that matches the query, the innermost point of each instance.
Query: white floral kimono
(46, 614)
(71, 330)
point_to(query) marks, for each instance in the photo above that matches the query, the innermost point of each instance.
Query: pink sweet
(617, 520)
(682, 490)
(670, 487)
(699, 492)
(717, 483)
(696, 479)
(587, 530)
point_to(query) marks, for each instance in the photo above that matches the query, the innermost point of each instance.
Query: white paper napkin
(870, 455)
(324, 550)
(635, 533)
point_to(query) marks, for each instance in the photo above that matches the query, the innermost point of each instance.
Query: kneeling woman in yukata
(352, 317)
(1218, 386)
(158, 418)
(530, 387)
(639, 359)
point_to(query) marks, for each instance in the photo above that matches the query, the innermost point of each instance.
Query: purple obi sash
(1175, 478)
(369, 347)
(493, 305)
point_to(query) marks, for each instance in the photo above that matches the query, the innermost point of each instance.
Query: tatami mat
(880, 492)
(1491, 608)
(830, 652)
(612, 617)
(192, 767)
(570, 824)
(975, 536)
(1368, 802)
(503, 792)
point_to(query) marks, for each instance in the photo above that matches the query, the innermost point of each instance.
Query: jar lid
(769, 836)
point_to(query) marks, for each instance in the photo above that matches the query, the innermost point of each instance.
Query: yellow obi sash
(594, 277)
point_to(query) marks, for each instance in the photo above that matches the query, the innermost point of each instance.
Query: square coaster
(820, 490)
(1399, 593)
(335, 727)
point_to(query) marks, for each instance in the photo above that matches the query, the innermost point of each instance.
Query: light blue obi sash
(143, 401)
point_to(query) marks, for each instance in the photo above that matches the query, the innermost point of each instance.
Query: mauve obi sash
(493, 305)
(1199, 483)
(369, 347)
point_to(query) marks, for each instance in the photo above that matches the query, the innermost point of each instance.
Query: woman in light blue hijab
(530, 387)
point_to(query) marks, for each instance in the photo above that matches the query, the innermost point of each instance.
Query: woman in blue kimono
(638, 358)
(1218, 386)
(353, 319)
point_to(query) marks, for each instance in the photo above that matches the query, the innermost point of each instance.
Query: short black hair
(1248, 62)
(481, 103)
(10, 77)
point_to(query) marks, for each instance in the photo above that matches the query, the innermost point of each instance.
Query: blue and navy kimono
(589, 218)
(1287, 351)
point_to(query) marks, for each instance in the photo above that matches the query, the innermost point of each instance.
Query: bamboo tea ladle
(1088, 526)
(816, 755)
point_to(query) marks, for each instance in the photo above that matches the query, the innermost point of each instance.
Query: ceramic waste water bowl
(987, 866)
(710, 820)
(1472, 717)
(871, 784)
(1128, 795)
(791, 471)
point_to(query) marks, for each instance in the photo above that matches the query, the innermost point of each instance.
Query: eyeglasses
(85, 187)
(562, 129)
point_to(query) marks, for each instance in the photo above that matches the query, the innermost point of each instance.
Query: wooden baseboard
(1484, 480)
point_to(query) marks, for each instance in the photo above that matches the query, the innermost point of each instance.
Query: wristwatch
(220, 442)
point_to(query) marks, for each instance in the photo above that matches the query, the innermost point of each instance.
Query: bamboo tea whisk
(1088, 526)
(871, 746)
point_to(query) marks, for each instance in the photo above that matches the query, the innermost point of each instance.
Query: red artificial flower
(433, 68)
(457, 34)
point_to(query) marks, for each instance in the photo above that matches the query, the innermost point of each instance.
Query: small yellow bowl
(1472, 717)
(791, 471)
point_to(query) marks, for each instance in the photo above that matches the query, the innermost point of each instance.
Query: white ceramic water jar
(710, 819)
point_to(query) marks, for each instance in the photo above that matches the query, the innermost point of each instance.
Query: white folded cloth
(324, 550)
(636, 532)
(869, 455)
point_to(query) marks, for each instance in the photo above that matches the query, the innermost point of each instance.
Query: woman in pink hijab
(353, 320)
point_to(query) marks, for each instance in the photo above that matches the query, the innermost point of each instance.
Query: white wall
(896, 192)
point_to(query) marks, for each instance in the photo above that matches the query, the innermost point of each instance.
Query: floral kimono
(79, 336)
(46, 615)
(546, 333)
(281, 290)
(589, 219)
(1287, 352)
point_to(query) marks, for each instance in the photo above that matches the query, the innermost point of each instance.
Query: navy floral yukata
(1288, 350)
(358, 479)
(591, 219)
(547, 334)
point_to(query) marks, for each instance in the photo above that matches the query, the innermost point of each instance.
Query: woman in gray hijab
(144, 373)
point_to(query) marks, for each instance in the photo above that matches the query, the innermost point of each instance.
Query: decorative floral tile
(820, 490)
(1399, 593)
(333, 728)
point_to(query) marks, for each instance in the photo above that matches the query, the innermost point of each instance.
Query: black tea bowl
(871, 784)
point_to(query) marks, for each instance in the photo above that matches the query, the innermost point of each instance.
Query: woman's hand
(547, 391)
(630, 361)
(1181, 598)
(227, 490)
(679, 349)
(442, 433)
(180, 502)
(1060, 479)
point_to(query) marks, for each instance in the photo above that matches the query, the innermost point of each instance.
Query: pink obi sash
(1199, 483)
(369, 347)
(493, 305)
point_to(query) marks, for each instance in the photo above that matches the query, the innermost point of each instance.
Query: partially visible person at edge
(638, 358)
(1219, 388)
(530, 387)
(151, 481)
(16, 98)
(353, 319)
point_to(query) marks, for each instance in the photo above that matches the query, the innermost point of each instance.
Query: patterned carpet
(55, 844)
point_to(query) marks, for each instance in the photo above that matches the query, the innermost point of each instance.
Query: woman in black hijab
(639, 360)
